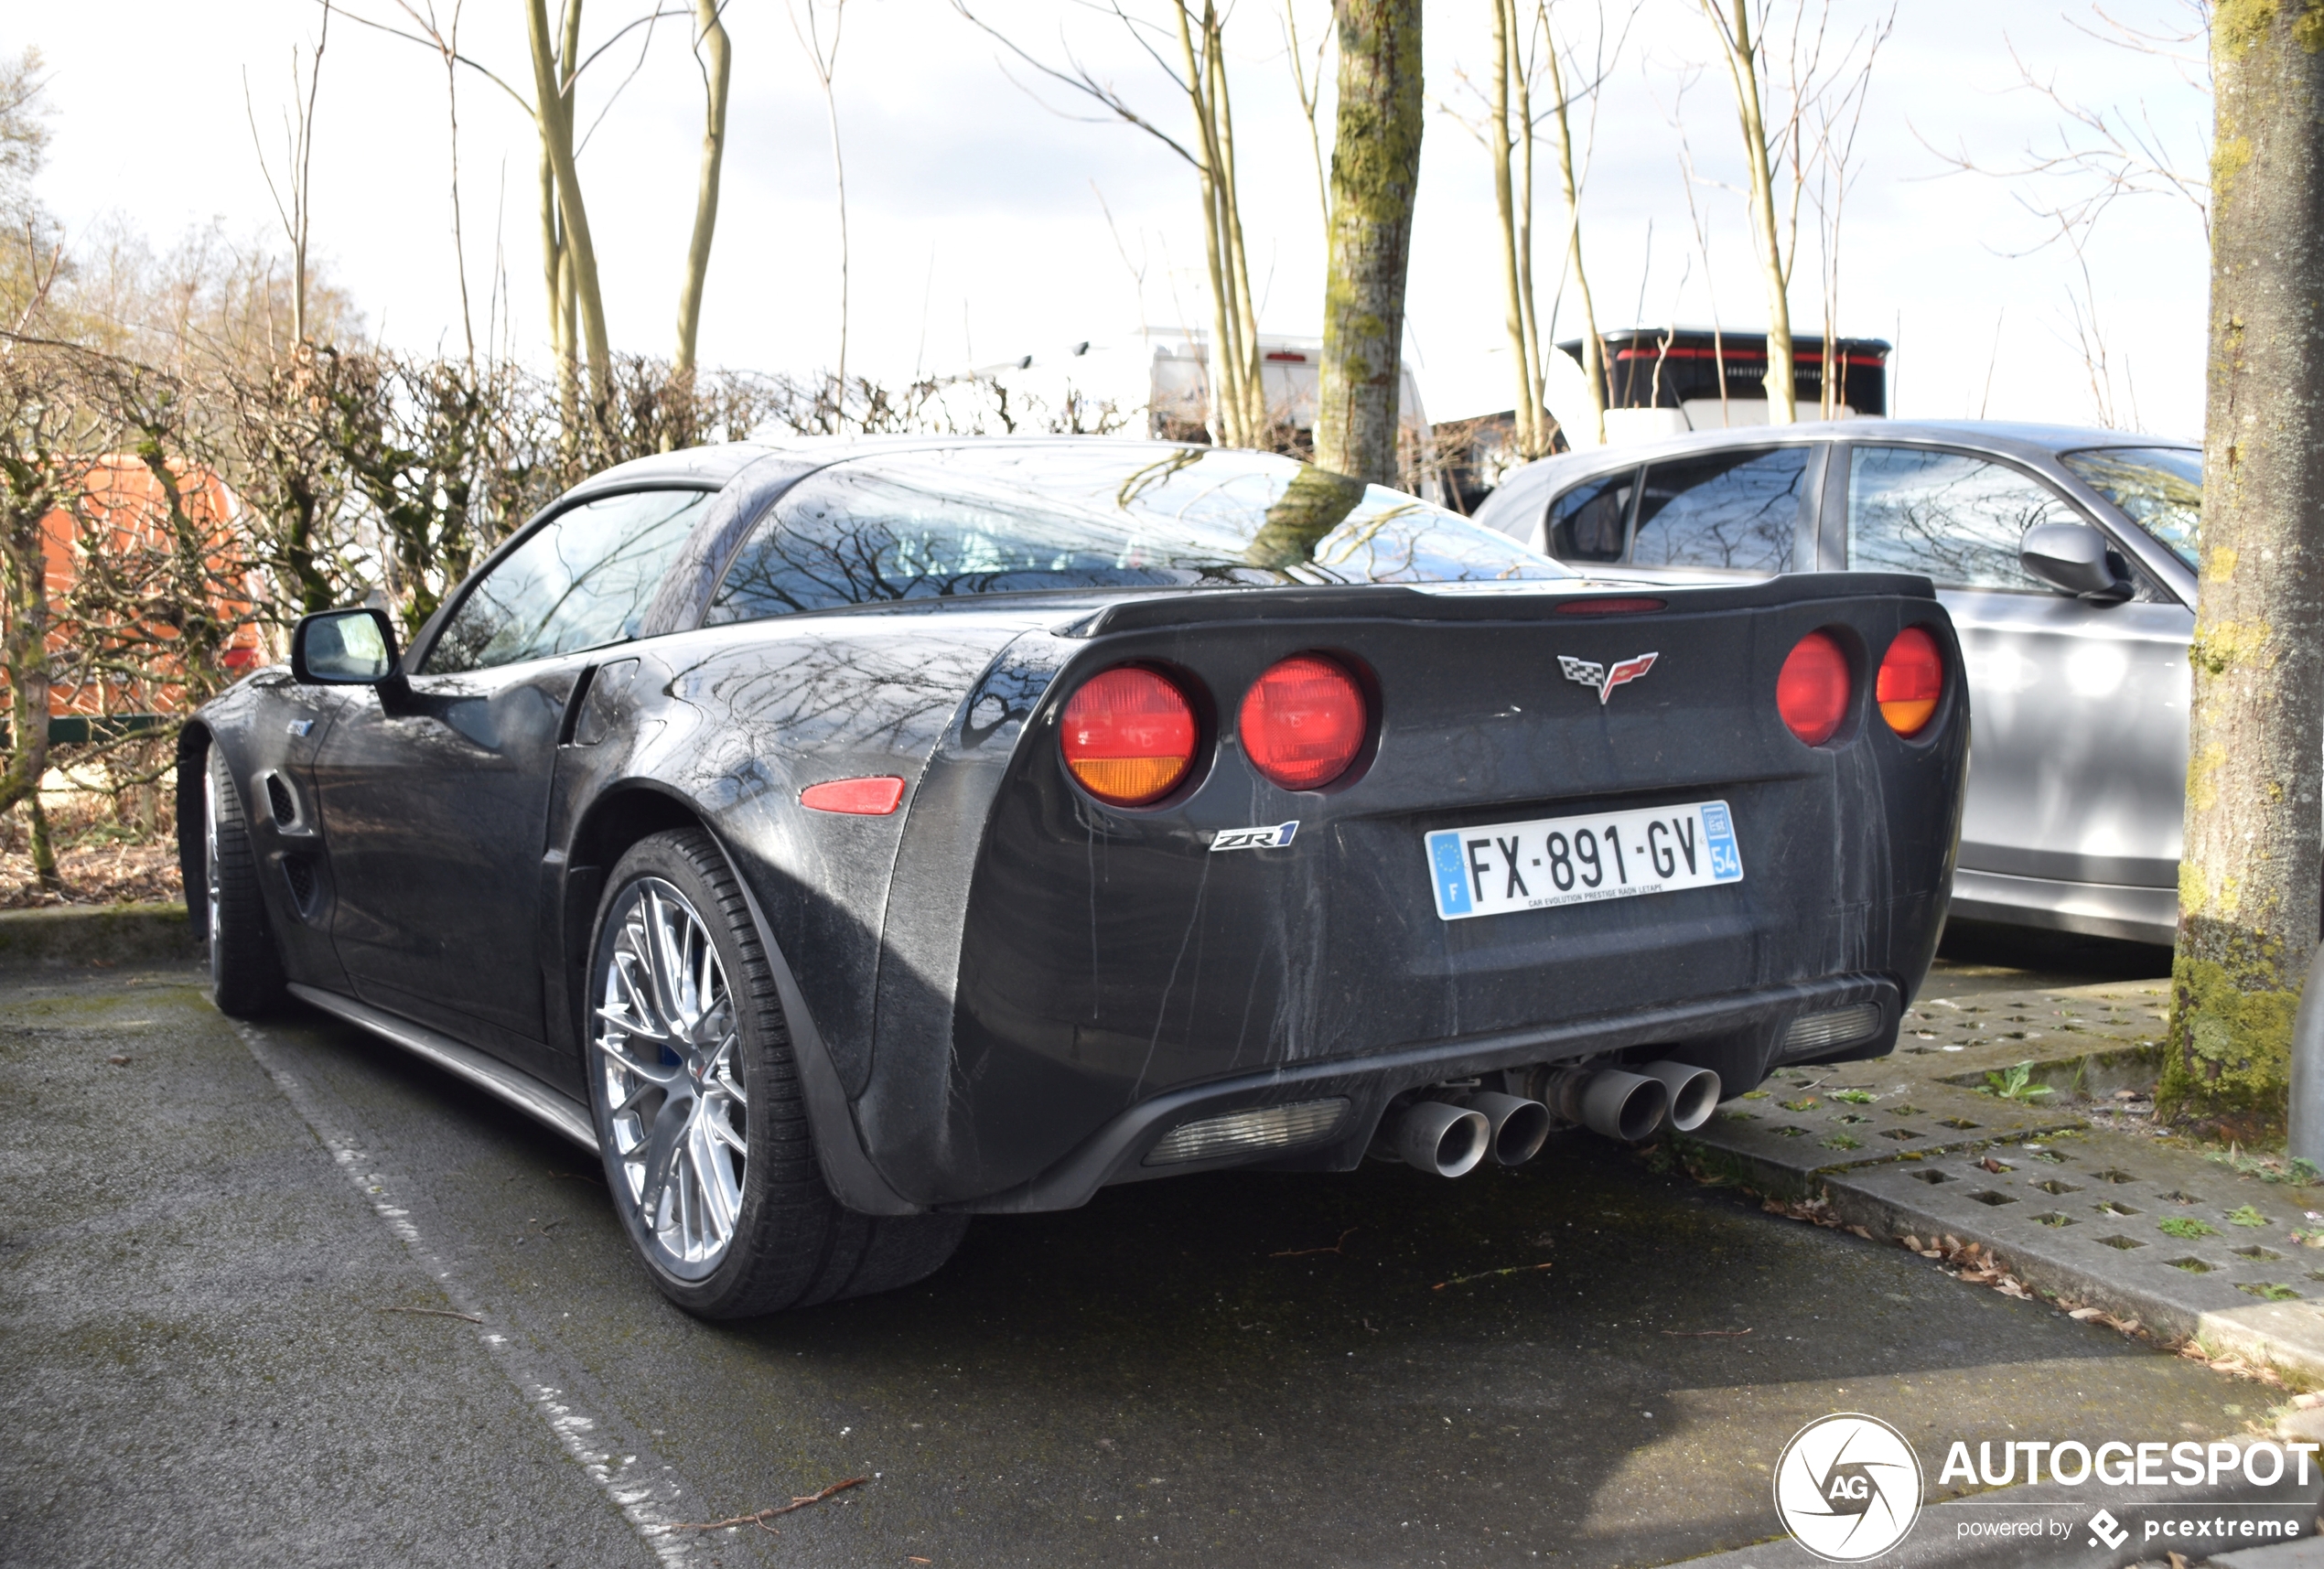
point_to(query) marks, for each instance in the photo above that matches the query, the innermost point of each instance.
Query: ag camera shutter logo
(1847, 1488)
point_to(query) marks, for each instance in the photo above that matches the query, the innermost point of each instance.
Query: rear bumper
(2094, 910)
(1114, 1151)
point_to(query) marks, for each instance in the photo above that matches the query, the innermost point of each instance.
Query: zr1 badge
(1254, 838)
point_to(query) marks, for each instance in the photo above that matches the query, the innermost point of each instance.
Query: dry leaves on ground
(97, 874)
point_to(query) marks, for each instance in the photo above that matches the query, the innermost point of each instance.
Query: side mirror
(344, 648)
(2076, 558)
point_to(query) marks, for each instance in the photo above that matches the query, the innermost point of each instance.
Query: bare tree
(292, 196)
(47, 435)
(1238, 401)
(2094, 157)
(1307, 82)
(1793, 105)
(2248, 884)
(1376, 174)
(824, 57)
(715, 54)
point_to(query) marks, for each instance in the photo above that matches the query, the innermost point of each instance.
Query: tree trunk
(1497, 142)
(705, 201)
(552, 99)
(1375, 171)
(1743, 70)
(2248, 882)
(1569, 187)
(1545, 423)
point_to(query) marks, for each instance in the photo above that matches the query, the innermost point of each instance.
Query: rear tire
(245, 970)
(700, 1117)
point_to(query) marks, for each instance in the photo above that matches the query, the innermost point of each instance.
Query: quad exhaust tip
(1693, 1092)
(1516, 1128)
(1611, 1100)
(1440, 1137)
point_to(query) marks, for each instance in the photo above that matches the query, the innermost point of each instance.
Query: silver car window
(583, 579)
(1737, 512)
(1588, 523)
(2160, 489)
(1957, 519)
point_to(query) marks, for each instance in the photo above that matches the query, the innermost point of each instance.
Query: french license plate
(1504, 866)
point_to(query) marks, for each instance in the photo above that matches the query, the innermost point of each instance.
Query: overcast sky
(974, 211)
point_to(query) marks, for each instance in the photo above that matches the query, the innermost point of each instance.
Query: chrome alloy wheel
(666, 1048)
(213, 879)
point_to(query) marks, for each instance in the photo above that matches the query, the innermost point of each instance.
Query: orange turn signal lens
(1911, 681)
(874, 796)
(1129, 736)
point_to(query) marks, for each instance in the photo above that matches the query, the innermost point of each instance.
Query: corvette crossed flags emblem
(1589, 673)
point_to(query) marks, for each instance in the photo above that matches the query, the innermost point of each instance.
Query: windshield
(1104, 515)
(2160, 489)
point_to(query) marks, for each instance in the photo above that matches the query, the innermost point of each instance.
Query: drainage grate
(2124, 1243)
(1900, 1133)
(2175, 1197)
(1904, 1110)
(2116, 1207)
(2255, 1252)
(2191, 1265)
(1851, 1118)
(2268, 1291)
(1788, 1132)
(2049, 1157)
(2110, 1175)
(1958, 1125)
(2055, 1218)
(1992, 1198)
(2056, 1188)
(1932, 1177)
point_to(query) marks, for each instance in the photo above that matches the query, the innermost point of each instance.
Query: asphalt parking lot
(284, 1295)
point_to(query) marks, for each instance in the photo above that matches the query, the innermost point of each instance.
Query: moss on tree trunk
(2248, 888)
(1375, 169)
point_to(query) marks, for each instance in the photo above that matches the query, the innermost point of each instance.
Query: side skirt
(553, 1108)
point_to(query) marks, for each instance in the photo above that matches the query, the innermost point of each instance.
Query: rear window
(1011, 519)
(2160, 489)
(1734, 511)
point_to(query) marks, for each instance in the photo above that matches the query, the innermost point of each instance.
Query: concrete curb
(106, 934)
(2035, 1204)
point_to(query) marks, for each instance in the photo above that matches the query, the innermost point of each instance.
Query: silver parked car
(2067, 558)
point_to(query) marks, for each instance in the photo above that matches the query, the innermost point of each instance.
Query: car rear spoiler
(1532, 598)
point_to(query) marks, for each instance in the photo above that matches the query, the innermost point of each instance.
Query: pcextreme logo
(1847, 1488)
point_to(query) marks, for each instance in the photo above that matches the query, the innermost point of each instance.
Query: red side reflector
(863, 798)
(1303, 722)
(1128, 735)
(1910, 680)
(1609, 607)
(1812, 691)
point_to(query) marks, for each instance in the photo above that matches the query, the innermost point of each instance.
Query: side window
(1737, 512)
(582, 580)
(1586, 524)
(1956, 518)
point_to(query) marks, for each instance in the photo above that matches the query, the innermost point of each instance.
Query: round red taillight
(1812, 690)
(1910, 680)
(1129, 736)
(1303, 722)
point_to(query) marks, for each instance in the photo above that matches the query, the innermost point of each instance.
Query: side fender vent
(298, 871)
(281, 802)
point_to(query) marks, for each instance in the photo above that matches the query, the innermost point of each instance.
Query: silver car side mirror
(344, 648)
(2078, 559)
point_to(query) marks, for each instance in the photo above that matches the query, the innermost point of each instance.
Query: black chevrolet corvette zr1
(845, 841)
